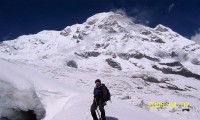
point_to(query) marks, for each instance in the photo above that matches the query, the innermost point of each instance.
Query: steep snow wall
(18, 99)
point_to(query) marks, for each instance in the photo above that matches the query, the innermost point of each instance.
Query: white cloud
(120, 11)
(141, 16)
(196, 37)
(123, 12)
(138, 14)
(171, 6)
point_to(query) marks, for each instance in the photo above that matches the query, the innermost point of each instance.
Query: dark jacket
(98, 93)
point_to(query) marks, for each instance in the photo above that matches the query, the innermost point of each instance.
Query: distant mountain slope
(108, 40)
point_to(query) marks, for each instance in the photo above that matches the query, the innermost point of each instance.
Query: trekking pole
(97, 109)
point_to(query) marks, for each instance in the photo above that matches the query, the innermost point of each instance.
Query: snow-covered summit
(103, 36)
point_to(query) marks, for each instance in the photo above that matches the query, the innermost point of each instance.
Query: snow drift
(17, 95)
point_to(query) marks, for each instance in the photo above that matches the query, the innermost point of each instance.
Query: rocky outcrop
(137, 55)
(172, 64)
(113, 64)
(66, 32)
(191, 47)
(175, 68)
(174, 87)
(92, 22)
(161, 28)
(88, 54)
(126, 56)
(152, 58)
(72, 63)
(152, 79)
(92, 54)
(145, 32)
(156, 39)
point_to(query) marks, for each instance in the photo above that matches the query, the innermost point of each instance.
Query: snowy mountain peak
(107, 40)
(109, 18)
(110, 21)
(161, 28)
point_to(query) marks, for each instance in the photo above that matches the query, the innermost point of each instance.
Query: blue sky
(19, 17)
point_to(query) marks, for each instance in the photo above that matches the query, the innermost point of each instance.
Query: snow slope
(77, 108)
(21, 89)
(60, 101)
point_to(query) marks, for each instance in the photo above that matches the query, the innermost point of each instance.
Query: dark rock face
(66, 32)
(159, 40)
(152, 79)
(106, 46)
(72, 63)
(176, 63)
(145, 32)
(92, 54)
(145, 39)
(79, 37)
(21, 115)
(80, 55)
(180, 55)
(173, 87)
(87, 54)
(191, 87)
(126, 56)
(92, 22)
(151, 58)
(161, 28)
(179, 70)
(112, 25)
(156, 39)
(173, 54)
(113, 64)
(191, 47)
(99, 45)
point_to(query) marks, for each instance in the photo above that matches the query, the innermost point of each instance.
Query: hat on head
(97, 80)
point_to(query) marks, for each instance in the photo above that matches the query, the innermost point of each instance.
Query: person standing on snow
(101, 96)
